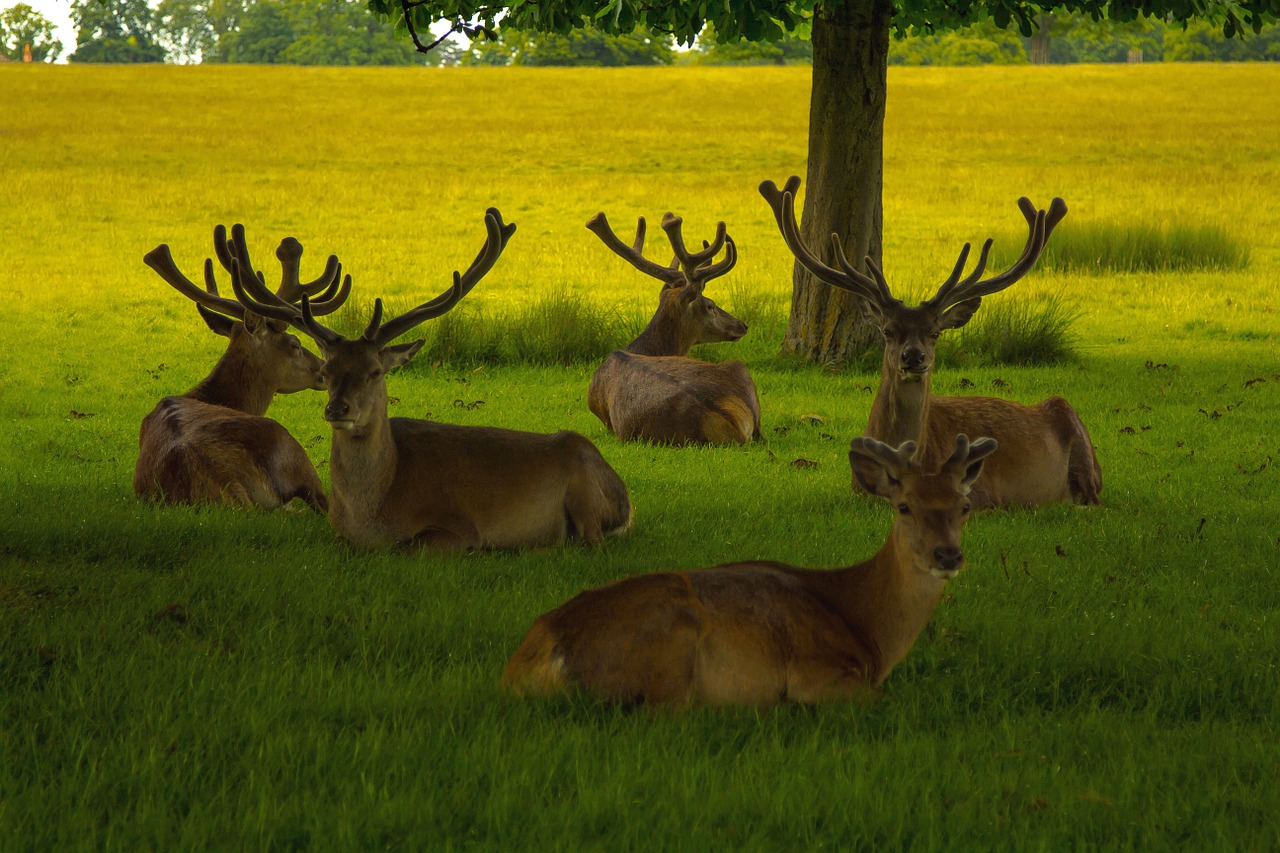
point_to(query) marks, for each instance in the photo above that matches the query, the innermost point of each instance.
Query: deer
(214, 444)
(761, 632)
(1046, 453)
(651, 390)
(419, 484)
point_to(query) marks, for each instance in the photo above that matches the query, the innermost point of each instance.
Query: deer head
(932, 508)
(685, 315)
(354, 370)
(911, 334)
(268, 352)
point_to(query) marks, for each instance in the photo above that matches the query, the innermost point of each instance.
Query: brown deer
(760, 632)
(651, 390)
(417, 483)
(214, 445)
(1046, 454)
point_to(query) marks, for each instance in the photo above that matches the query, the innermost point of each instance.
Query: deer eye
(374, 375)
(965, 509)
(903, 509)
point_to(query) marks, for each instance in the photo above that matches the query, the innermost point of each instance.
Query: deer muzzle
(338, 414)
(947, 562)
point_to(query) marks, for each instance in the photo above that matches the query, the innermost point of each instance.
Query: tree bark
(845, 175)
(1038, 50)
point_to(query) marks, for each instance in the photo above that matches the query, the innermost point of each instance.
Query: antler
(231, 253)
(1041, 225)
(872, 288)
(896, 460)
(697, 266)
(967, 453)
(254, 294)
(327, 293)
(599, 225)
(160, 259)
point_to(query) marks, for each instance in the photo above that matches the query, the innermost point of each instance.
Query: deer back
(674, 400)
(194, 452)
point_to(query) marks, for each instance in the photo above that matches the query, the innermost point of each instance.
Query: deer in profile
(758, 633)
(651, 390)
(421, 484)
(1046, 454)
(214, 444)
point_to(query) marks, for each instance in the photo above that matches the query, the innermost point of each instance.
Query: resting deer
(761, 632)
(405, 482)
(652, 390)
(213, 444)
(1046, 454)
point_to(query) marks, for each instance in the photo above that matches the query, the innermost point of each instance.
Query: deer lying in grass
(757, 633)
(1046, 454)
(213, 444)
(651, 390)
(405, 482)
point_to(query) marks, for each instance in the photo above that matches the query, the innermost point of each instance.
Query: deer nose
(336, 411)
(949, 559)
(912, 357)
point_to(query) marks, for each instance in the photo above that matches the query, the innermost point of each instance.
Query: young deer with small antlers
(1046, 454)
(757, 633)
(651, 390)
(405, 482)
(213, 444)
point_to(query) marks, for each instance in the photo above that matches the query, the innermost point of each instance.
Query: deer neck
(661, 337)
(887, 602)
(235, 383)
(362, 467)
(901, 408)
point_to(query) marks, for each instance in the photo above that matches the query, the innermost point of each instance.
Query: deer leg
(1084, 475)
(444, 539)
(819, 679)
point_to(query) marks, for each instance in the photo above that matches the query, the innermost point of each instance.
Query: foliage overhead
(589, 46)
(771, 20)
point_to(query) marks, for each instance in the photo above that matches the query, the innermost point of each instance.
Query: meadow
(177, 678)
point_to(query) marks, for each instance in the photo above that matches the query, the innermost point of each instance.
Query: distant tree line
(344, 32)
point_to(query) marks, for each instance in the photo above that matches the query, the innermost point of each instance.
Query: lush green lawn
(176, 678)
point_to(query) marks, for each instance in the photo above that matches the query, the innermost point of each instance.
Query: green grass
(174, 678)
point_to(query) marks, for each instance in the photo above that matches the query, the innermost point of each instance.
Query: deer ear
(219, 324)
(959, 314)
(392, 357)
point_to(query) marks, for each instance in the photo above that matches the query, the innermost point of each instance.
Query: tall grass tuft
(555, 330)
(1101, 247)
(1014, 332)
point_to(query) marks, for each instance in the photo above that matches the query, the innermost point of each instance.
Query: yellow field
(392, 169)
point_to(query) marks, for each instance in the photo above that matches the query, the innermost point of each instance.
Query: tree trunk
(844, 180)
(1038, 51)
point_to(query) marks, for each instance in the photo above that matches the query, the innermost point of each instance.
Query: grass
(176, 678)
(1133, 247)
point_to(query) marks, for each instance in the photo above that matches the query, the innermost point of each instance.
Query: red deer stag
(1046, 454)
(757, 633)
(405, 482)
(652, 390)
(213, 444)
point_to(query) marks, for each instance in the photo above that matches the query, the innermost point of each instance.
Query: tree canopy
(21, 25)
